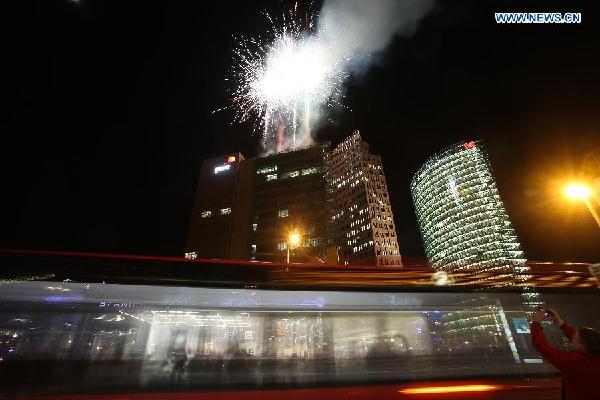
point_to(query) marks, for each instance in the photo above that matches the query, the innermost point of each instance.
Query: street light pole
(293, 240)
(592, 210)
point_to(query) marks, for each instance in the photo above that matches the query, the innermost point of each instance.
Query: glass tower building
(462, 219)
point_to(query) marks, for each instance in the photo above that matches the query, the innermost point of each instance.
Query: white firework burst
(284, 79)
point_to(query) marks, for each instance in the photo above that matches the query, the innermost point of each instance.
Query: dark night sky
(108, 116)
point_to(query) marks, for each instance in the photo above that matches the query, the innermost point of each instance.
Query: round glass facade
(463, 222)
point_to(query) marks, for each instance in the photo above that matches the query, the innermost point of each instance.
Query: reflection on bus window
(139, 339)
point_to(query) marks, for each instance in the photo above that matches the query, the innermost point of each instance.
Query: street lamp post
(293, 240)
(578, 191)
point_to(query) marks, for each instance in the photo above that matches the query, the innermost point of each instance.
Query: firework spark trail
(283, 81)
(286, 77)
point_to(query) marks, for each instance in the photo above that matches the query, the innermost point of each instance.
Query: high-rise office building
(362, 223)
(465, 227)
(462, 219)
(335, 201)
(288, 197)
(219, 222)
(248, 208)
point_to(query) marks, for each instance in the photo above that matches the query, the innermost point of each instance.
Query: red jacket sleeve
(556, 357)
(567, 330)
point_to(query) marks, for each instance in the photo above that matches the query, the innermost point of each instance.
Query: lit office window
(225, 211)
(310, 170)
(206, 214)
(282, 246)
(291, 174)
(266, 170)
(312, 242)
(283, 213)
(271, 177)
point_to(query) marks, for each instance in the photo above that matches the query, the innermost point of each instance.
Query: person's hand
(538, 315)
(555, 316)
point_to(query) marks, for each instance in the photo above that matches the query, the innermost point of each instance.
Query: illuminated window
(222, 168)
(291, 174)
(230, 159)
(254, 227)
(312, 242)
(191, 255)
(225, 211)
(282, 246)
(266, 170)
(206, 214)
(310, 170)
(283, 213)
(271, 177)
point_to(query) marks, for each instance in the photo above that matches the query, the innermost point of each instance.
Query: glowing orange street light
(578, 191)
(293, 240)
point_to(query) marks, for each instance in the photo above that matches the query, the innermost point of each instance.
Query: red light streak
(449, 389)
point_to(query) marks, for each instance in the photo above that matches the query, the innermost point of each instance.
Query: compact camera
(547, 313)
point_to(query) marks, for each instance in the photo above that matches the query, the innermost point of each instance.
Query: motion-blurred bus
(99, 326)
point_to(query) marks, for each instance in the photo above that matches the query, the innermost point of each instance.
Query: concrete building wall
(211, 224)
(240, 232)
